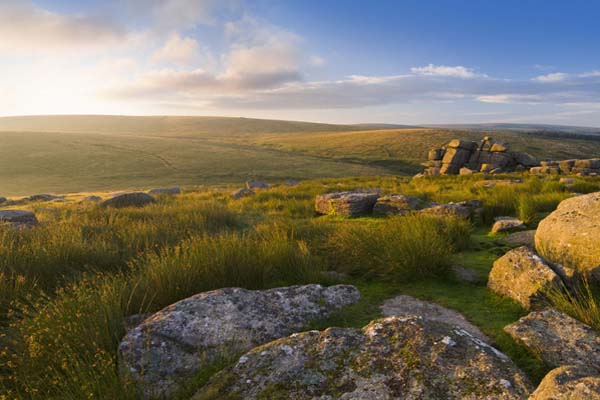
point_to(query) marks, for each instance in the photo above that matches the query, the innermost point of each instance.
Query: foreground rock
(391, 358)
(569, 382)
(523, 276)
(507, 225)
(170, 347)
(558, 339)
(397, 204)
(18, 218)
(169, 191)
(404, 306)
(569, 235)
(346, 203)
(137, 199)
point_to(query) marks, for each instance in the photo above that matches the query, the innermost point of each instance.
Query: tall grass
(401, 248)
(583, 303)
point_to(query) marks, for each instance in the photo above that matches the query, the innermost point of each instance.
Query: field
(85, 268)
(74, 154)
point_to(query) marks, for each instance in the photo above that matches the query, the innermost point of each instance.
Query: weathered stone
(44, 197)
(433, 171)
(567, 181)
(524, 159)
(137, 199)
(465, 210)
(569, 235)
(499, 148)
(167, 349)
(549, 163)
(243, 192)
(524, 238)
(569, 383)
(92, 199)
(552, 170)
(397, 204)
(170, 190)
(487, 168)
(435, 154)
(432, 163)
(18, 218)
(565, 166)
(3, 200)
(346, 203)
(462, 144)
(501, 160)
(254, 184)
(406, 306)
(449, 169)
(293, 182)
(523, 276)
(536, 170)
(593, 163)
(391, 358)
(466, 171)
(456, 156)
(557, 338)
(508, 224)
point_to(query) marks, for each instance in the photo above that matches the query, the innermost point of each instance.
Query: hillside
(82, 153)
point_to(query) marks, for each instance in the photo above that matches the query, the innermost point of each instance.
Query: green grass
(85, 269)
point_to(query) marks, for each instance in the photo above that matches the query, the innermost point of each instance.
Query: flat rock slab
(18, 218)
(558, 339)
(523, 238)
(507, 225)
(569, 382)
(523, 276)
(402, 306)
(346, 203)
(390, 358)
(167, 349)
(397, 204)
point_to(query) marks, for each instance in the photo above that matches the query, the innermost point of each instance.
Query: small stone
(508, 224)
(137, 199)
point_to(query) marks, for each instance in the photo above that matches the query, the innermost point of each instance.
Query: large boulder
(404, 306)
(136, 199)
(557, 338)
(164, 352)
(508, 225)
(569, 382)
(523, 276)
(397, 204)
(456, 156)
(569, 235)
(390, 358)
(18, 218)
(346, 203)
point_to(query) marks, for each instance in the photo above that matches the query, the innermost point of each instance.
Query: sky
(340, 61)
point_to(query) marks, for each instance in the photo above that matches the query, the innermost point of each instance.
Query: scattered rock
(253, 185)
(346, 203)
(18, 218)
(567, 181)
(508, 224)
(569, 382)
(464, 209)
(397, 204)
(569, 235)
(406, 306)
(523, 238)
(136, 199)
(465, 274)
(92, 199)
(391, 358)
(243, 192)
(523, 276)
(557, 338)
(171, 191)
(3, 200)
(170, 347)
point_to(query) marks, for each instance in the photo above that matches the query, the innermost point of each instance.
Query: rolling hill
(63, 154)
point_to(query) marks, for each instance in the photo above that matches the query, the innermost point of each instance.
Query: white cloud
(554, 77)
(444, 70)
(510, 98)
(179, 50)
(317, 61)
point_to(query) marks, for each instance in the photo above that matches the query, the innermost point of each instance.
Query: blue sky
(335, 61)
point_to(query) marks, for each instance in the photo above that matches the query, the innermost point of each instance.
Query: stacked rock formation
(465, 157)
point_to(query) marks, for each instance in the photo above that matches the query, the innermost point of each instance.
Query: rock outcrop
(569, 383)
(171, 346)
(136, 199)
(570, 235)
(346, 203)
(397, 204)
(581, 167)
(558, 339)
(406, 306)
(523, 276)
(18, 218)
(466, 157)
(391, 358)
(508, 225)
(170, 191)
